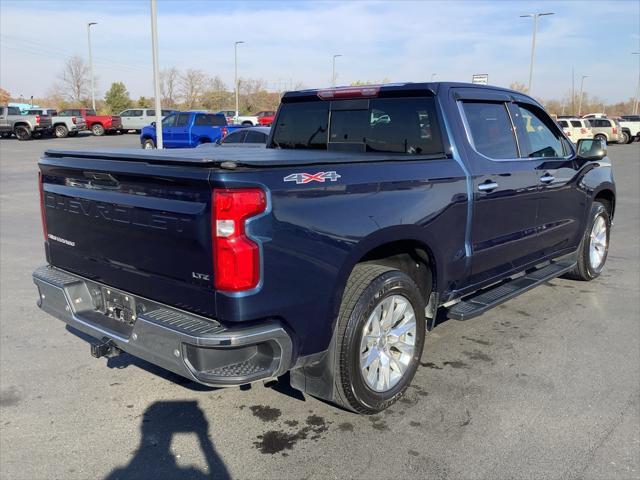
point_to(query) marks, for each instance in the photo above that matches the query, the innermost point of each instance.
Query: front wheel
(594, 247)
(97, 129)
(626, 138)
(148, 144)
(602, 138)
(380, 336)
(22, 133)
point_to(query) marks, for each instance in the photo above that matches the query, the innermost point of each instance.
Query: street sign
(480, 79)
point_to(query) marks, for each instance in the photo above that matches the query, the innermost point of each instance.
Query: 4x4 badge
(301, 178)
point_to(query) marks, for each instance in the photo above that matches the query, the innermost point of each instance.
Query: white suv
(576, 128)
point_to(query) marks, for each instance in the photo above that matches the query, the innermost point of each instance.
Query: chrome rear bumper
(195, 347)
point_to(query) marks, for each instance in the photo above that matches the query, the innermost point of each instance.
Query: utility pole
(235, 81)
(573, 92)
(581, 90)
(533, 42)
(156, 73)
(333, 70)
(93, 92)
(637, 100)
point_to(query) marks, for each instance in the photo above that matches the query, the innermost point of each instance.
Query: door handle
(546, 178)
(487, 186)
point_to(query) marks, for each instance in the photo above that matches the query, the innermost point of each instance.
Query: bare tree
(192, 85)
(519, 87)
(216, 97)
(168, 86)
(74, 79)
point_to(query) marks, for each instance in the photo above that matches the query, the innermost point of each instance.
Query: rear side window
(491, 129)
(90, 111)
(204, 120)
(135, 113)
(576, 123)
(563, 124)
(543, 140)
(13, 111)
(255, 137)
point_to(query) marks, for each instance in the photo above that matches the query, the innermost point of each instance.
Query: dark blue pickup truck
(329, 253)
(187, 130)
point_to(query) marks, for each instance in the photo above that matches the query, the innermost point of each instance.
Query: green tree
(117, 98)
(144, 102)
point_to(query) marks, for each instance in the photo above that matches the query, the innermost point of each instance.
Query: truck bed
(241, 156)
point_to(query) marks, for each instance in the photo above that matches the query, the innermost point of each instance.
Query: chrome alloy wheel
(388, 343)
(598, 243)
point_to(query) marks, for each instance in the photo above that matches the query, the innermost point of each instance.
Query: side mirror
(592, 148)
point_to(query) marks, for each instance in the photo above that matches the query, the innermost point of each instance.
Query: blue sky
(293, 41)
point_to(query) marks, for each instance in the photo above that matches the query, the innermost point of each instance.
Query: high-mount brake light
(236, 257)
(42, 215)
(368, 91)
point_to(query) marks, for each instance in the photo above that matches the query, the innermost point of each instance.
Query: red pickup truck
(98, 124)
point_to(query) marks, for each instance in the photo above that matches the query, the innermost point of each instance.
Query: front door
(181, 131)
(562, 204)
(505, 190)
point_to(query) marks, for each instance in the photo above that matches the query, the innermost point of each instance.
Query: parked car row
(263, 118)
(623, 129)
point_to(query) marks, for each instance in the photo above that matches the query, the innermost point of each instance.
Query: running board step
(479, 302)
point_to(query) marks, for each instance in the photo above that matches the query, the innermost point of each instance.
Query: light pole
(636, 101)
(93, 92)
(581, 90)
(235, 81)
(533, 41)
(156, 73)
(333, 70)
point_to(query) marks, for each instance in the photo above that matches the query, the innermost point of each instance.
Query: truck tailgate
(137, 227)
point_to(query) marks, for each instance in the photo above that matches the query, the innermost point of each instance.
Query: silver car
(606, 129)
(136, 118)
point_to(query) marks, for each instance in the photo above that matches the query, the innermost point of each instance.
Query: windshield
(392, 125)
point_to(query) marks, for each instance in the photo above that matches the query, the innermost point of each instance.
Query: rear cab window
(386, 125)
(207, 120)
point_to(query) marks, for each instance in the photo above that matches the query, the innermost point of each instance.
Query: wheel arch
(607, 196)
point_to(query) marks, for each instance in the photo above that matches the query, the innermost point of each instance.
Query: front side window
(182, 119)
(169, 121)
(235, 137)
(135, 113)
(543, 140)
(491, 129)
(576, 123)
(563, 124)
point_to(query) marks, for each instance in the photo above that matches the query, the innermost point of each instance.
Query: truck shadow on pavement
(154, 459)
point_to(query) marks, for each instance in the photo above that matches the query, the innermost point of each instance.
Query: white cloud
(402, 41)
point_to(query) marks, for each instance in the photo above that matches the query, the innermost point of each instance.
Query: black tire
(5, 134)
(60, 131)
(626, 137)
(97, 129)
(73, 134)
(368, 286)
(247, 123)
(584, 269)
(148, 144)
(22, 133)
(601, 137)
(36, 135)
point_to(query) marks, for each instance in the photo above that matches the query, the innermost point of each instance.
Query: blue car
(187, 130)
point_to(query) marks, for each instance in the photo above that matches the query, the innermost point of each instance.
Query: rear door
(562, 204)
(505, 187)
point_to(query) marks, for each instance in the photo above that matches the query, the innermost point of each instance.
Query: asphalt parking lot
(545, 386)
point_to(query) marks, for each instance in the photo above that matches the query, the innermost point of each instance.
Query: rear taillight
(73, 119)
(38, 119)
(615, 131)
(42, 216)
(236, 257)
(366, 91)
(224, 131)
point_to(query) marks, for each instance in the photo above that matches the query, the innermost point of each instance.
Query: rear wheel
(97, 129)
(626, 138)
(22, 133)
(61, 131)
(601, 137)
(380, 336)
(148, 144)
(594, 247)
